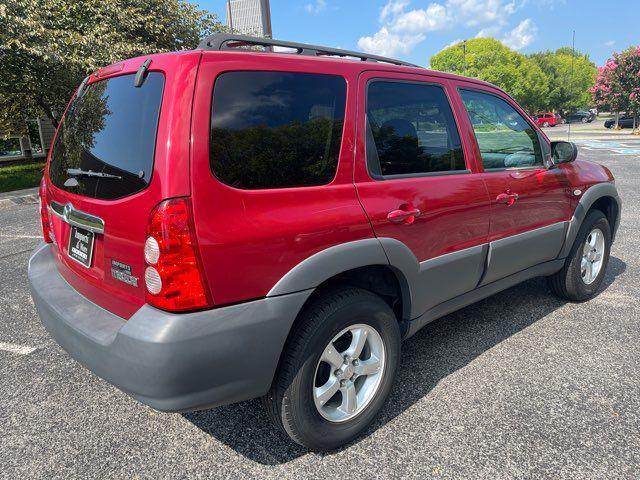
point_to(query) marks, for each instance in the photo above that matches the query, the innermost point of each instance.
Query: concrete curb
(28, 196)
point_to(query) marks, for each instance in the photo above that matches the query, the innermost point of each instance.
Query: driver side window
(505, 138)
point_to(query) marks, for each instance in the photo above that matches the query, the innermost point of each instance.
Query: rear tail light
(44, 214)
(174, 277)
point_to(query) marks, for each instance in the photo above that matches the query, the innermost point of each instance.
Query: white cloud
(521, 36)
(393, 9)
(432, 18)
(473, 13)
(488, 32)
(452, 44)
(386, 43)
(402, 28)
(316, 7)
(609, 43)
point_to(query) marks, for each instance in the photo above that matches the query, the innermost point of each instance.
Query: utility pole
(464, 56)
(229, 15)
(573, 57)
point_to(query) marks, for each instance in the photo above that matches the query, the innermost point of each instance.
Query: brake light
(44, 214)
(174, 277)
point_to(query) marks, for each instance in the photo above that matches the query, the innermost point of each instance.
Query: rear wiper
(78, 172)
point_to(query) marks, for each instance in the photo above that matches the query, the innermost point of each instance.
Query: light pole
(573, 57)
(464, 57)
(229, 15)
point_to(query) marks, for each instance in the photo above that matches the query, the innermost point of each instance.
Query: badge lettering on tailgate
(122, 271)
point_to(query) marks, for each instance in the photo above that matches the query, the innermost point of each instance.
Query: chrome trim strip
(77, 218)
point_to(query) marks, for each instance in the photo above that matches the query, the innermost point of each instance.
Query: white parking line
(17, 349)
(20, 236)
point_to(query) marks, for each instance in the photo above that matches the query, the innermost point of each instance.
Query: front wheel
(545, 124)
(337, 369)
(584, 268)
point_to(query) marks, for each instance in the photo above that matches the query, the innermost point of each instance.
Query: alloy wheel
(592, 256)
(349, 373)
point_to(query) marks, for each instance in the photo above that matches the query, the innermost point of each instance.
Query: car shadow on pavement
(438, 350)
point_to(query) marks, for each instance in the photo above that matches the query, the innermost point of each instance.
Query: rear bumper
(172, 362)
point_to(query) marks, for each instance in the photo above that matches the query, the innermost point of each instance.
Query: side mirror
(563, 152)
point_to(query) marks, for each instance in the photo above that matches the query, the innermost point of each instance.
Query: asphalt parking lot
(520, 385)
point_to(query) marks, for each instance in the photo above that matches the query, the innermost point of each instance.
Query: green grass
(17, 177)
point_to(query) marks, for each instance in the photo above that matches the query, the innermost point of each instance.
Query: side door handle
(406, 217)
(508, 198)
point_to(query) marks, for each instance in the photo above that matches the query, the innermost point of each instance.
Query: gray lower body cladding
(518, 252)
(461, 301)
(172, 362)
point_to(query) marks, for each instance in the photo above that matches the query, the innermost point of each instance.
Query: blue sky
(414, 30)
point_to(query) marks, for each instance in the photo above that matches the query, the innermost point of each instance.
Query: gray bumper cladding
(172, 362)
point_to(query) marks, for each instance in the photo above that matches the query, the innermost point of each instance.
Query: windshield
(105, 143)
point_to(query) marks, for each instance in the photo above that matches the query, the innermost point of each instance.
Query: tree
(570, 75)
(490, 60)
(48, 46)
(617, 85)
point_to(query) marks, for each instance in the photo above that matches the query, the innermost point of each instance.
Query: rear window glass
(276, 129)
(106, 142)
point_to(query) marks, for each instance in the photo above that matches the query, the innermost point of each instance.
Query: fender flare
(327, 263)
(590, 196)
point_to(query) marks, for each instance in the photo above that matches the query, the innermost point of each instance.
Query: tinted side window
(276, 129)
(505, 138)
(410, 130)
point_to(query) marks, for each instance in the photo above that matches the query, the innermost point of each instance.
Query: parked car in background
(623, 122)
(547, 119)
(581, 116)
(307, 215)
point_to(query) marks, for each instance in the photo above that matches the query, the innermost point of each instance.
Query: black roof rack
(227, 41)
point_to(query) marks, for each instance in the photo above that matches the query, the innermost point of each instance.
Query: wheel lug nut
(337, 373)
(356, 362)
(343, 383)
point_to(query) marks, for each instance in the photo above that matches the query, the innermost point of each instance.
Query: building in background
(35, 145)
(249, 17)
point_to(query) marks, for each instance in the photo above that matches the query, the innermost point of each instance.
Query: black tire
(290, 402)
(568, 282)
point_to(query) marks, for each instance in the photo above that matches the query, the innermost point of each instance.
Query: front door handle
(508, 198)
(406, 217)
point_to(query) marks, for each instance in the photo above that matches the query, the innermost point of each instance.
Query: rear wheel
(337, 369)
(585, 267)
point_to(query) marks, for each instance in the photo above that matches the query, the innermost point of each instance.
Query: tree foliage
(570, 75)
(48, 46)
(490, 60)
(617, 86)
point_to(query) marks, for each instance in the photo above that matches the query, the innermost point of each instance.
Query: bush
(16, 177)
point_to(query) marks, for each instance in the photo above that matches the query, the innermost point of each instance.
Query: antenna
(573, 57)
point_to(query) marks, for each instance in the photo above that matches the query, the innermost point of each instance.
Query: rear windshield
(105, 144)
(276, 129)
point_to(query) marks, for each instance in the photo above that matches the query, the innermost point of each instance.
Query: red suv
(227, 223)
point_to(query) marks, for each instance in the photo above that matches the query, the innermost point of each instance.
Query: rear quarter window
(276, 129)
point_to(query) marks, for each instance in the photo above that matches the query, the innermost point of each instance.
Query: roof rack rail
(227, 41)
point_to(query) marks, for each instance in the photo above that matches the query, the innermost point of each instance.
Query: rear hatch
(119, 151)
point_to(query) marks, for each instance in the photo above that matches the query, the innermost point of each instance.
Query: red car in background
(547, 119)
